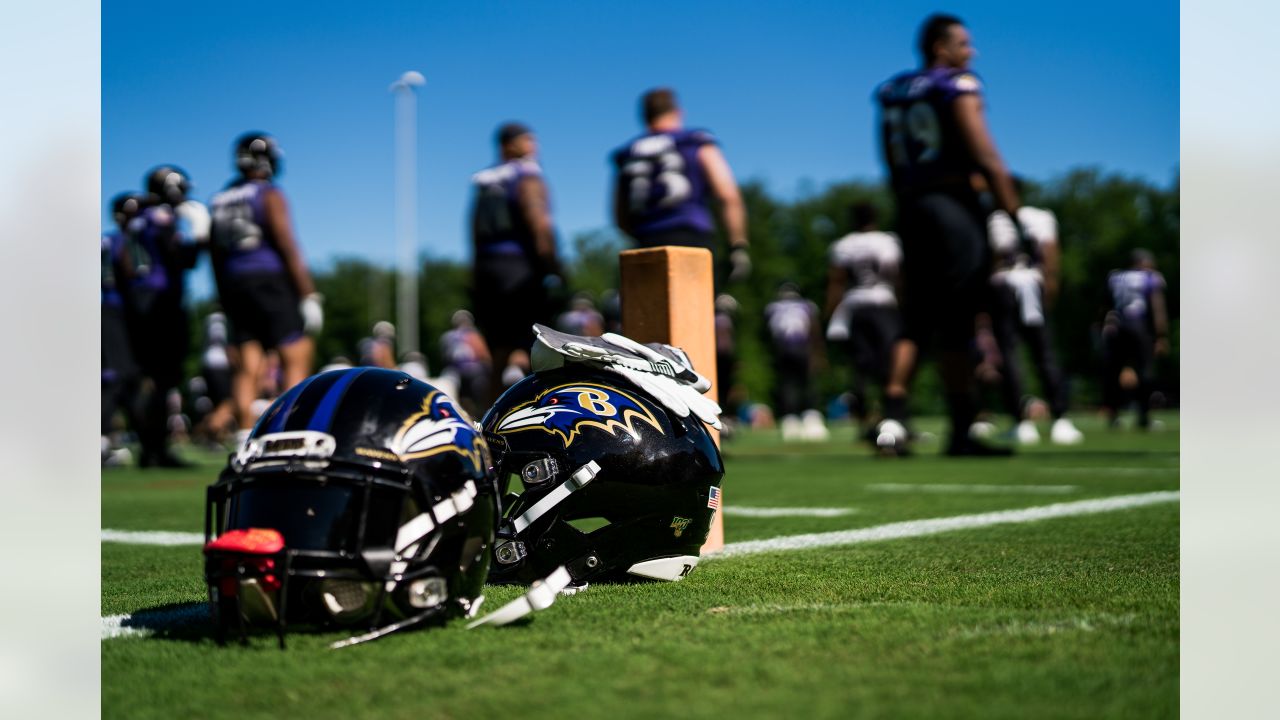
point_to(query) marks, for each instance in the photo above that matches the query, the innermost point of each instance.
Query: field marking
(148, 621)
(152, 537)
(776, 512)
(920, 528)
(973, 489)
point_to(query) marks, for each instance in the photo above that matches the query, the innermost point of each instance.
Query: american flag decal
(713, 498)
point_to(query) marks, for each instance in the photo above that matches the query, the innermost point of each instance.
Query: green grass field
(1067, 617)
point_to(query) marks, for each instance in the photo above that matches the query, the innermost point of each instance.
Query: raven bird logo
(566, 409)
(438, 427)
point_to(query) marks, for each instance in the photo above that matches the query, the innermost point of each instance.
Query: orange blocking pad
(668, 295)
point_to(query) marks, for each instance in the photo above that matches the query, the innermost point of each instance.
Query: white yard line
(920, 528)
(973, 489)
(143, 537)
(145, 623)
(1106, 470)
(776, 512)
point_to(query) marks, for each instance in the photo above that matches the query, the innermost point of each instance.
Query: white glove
(662, 371)
(196, 217)
(739, 264)
(312, 309)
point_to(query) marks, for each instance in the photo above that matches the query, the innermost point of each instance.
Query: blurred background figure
(581, 318)
(934, 139)
(611, 308)
(119, 371)
(163, 242)
(1136, 332)
(218, 420)
(665, 179)
(263, 281)
(379, 349)
(515, 268)
(862, 303)
(466, 357)
(728, 394)
(797, 351)
(1024, 288)
(414, 364)
(338, 362)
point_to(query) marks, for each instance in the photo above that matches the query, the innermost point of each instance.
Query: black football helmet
(259, 152)
(125, 206)
(168, 184)
(363, 498)
(613, 486)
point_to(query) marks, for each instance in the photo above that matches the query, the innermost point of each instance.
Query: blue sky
(786, 86)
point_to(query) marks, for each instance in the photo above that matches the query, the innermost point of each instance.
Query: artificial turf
(1070, 617)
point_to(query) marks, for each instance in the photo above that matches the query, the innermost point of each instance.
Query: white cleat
(1064, 432)
(792, 429)
(981, 430)
(815, 429)
(1027, 433)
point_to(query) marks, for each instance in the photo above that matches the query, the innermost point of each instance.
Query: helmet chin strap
(578, 480)
(542, 593)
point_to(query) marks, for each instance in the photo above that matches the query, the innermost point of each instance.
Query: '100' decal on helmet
(567, 409)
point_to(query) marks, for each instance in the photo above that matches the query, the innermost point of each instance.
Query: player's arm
(531, 192)
(1050, 268)
(277, 217)
(720, 177)
(621, 204)
(1160, 318)
(973, 128)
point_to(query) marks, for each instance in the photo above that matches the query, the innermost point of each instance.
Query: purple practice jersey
(112, 246)
(1132, 291)
(499, 222)
(665, 185)
(155, 256)
(242, 240)
(791, 322)
(923, 145)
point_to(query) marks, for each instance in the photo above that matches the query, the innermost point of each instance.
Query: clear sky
(786, 86)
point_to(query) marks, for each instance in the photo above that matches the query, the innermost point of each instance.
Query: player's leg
(1040, 344)
(1005, 327)
(244, 383)
(296, 359)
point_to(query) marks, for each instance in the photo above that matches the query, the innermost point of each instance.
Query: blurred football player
(728, 393)
(466, 357)
(1137, 332)
(934, 139)
(263, 281)
(665, 179)
(163, 242)
(1023, 291)
(797, 347)
(862, 302)
(516, 266)
(119, 370)
(581, 318)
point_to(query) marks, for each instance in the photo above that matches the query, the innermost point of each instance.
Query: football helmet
(259, 152)
(608, 481)
(169, 184)
(364, 499)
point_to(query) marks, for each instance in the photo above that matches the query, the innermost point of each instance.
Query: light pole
(407, 319)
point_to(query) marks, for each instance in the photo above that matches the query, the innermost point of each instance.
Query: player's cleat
(891, 439)
(968, 447)
(981, 430)
(1064, 432)
(814, 428)
(792, 429)
(1027, 434)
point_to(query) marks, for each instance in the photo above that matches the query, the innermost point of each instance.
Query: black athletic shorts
(262, 307)
(682, 237)
(508, 297)
(159, 336)
(117, 356)
(872, 331)
(945, 267)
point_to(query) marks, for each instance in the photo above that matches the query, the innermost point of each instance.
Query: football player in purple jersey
(263, 282)
(665, 179)
(934, 140)
(516, 266)
(1136, 332)
(119, 370)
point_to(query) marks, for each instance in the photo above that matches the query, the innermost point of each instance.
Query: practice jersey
(242, 240)
(462, 349)
(870, 261)
(154, 255)
(924, 148)
(581, 322)
(664, 184)
(112, 245)
(1041, 226)
(791, 322)
(1132, 290)
(499, 221)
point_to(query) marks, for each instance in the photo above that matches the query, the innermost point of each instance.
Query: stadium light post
(407, 319)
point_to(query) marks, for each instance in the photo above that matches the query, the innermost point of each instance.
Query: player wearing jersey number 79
(662, 185)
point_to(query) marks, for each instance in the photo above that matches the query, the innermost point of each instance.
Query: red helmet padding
(254, 541)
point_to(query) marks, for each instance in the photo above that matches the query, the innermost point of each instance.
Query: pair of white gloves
(663, 371)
